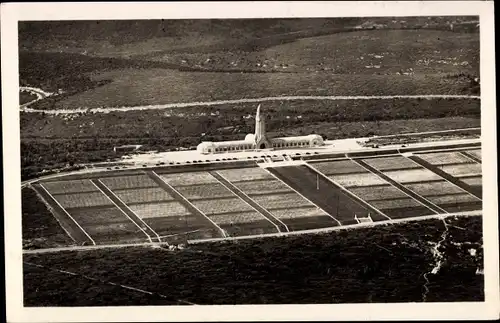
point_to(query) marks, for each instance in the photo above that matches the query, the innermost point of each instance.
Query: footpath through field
(250, 100)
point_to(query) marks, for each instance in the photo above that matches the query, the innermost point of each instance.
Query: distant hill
(99, 36)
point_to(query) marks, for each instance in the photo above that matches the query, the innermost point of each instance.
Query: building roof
(224, 143)
(297, 138)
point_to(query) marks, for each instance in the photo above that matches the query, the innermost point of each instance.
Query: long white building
(259, 140)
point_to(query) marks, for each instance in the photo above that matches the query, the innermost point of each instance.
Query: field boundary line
(413, 198)
(423, 166)
(471, 157)
(51, 210)
(439, 150)
(376, 154)
(265, 235)
(243, 193)
(122, 211)
(105, 282)
(152, 172)
(132, 211)
(358, 199)
(67, 213)
(180, 233)
(326, 213)
(439, 216)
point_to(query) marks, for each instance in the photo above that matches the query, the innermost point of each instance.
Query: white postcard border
(11, 13)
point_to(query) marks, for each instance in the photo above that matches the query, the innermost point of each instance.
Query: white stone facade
(259, 141)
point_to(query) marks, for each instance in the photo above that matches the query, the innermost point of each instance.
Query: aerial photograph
(251, 161)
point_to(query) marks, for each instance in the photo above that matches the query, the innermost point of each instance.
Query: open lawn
(338, 167)
(376, 265)
(246, 174)
(378, 192)
(395, 203)
(462, 169)
(203, 191)
(283, 200)
(412, 175)
(262, 187)
(127, 182)
(238, 218)
(476, 153)
(391, 163)
(355, 180)
(444, 158)
(454, 198)
(189, 178)
(143, 195)
(159, 209)
(83, 199)
(107, 225)
(310, 211)
(70, 186)
(215, 206)
(434, 188)
(473, 181)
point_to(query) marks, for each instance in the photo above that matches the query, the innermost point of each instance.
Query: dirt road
(249, 100)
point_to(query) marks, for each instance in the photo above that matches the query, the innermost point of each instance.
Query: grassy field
(132, 87)
(375, 265)
(361, 52)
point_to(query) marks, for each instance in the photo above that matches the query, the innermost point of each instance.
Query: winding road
(25, 108)
(40, 95)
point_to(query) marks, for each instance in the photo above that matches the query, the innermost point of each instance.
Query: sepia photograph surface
(262, 160)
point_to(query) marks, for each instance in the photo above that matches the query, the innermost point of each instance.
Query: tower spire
(257, 123)
(260, 130)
